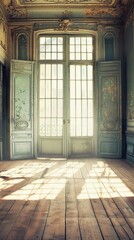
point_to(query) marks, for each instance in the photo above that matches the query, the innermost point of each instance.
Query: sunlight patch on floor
(31, 181)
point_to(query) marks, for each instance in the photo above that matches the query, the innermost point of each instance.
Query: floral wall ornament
(102, 12)
(130, 110)
(3, 33)
(109, 103)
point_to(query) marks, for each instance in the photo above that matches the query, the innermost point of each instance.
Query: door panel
(21, 144)
(110, 130)
(50, 139)
(81, 109)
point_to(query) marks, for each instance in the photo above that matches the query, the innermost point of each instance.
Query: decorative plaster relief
(93, 2)
(3, 33)
(103, 12)
(109, 103)
(130, 110)
(22, 101)
(12, 10)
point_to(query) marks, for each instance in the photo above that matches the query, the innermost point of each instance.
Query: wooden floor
(66, 199)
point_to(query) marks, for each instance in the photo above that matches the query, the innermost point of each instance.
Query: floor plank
(66, 199)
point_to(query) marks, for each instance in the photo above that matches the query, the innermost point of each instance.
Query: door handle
(64, 121)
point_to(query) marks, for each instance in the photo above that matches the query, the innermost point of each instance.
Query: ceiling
(61, 9)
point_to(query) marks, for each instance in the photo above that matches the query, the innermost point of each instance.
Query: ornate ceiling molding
(38, 9)
(91, 2)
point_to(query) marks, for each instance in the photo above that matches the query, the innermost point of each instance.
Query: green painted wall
(129, 59)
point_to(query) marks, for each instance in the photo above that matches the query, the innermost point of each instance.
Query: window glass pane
(54, 108)
(84, 89)
(42, 127)
(48, 88)
(78, 108)
(71, 40)
(51, 48)
(54, 71)
(54, 127)
(60, 40)
(89, 56)
(59, 127)
(42, 108)
(84, 72)
(84, 55)
(42, 40)
(48, 48)
(60, 56)
(42, 89)
(60, 71)
(83, 40)
(42, 71)
(48, 127)
(48, 71)
(78, 48)
(54, 48)
(72, 72)
(90, 108)
(90, 72)
(90, 127)
(78, 72)
(84, 108)
(72, 108)
(54, 40)
(72, 89)
(72, 48)
(77, 40)
(54, 88)
(42, 56)
(72, 56)
(84, 127)
(78, 127)
(48, 108)
(90, 49)
(89, 40)
(48, 56)
(84, 48)
(78, 89)
(72, 127)
(90, 89)
(77, 56)
(60, 89)
(42, 48)
(60, 108)
(54, 56)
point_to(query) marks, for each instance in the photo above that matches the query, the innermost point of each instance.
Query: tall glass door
(65, 96)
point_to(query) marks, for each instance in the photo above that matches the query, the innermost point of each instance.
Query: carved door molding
(21, 110)
(109, 121)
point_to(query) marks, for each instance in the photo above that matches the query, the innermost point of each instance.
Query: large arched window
(65, 96)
